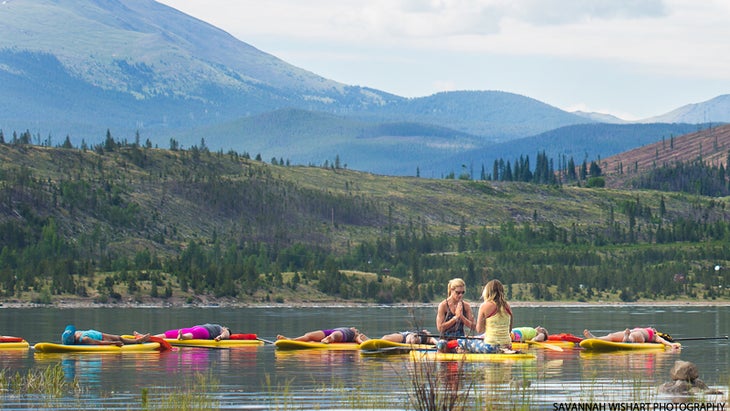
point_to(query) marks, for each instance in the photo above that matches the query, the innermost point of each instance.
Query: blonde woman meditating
(454, 313)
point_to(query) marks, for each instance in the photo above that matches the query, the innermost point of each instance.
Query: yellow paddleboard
(470, 357)
(47, 347)
(376, 344)
(20, 345)
(594, 344)
(213, 343)
(308, 345)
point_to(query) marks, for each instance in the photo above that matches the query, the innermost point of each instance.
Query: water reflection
(642, 365)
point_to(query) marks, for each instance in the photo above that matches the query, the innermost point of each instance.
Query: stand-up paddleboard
(13, 343)
(308, 345)
(47, 347)
(595, 344)
(213, 343)
(561, 344)
(380, 346)
(469, 357)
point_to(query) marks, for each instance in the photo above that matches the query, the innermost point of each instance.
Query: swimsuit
(199, 332)
(497, 331)
(93, 334)
(348, 335)
(649, 332)
(214, 330)
(456, 330)
(523, 334)
(404, 336)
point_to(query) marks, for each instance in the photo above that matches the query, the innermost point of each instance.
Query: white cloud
(653, 54)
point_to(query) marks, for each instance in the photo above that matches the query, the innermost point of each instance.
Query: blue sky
(630, 58)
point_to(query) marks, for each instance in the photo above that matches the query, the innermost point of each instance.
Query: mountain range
(137, 66)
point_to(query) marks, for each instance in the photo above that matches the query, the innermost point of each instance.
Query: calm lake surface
(262, 378)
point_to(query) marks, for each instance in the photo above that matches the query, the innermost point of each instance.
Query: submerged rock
(685, 380)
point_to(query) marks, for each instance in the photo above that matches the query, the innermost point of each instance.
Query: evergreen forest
(122, 221)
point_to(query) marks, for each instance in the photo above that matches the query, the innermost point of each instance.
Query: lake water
(262, 378)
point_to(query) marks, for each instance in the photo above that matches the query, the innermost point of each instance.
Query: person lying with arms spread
(635, 335)
(206, 331)
(71, 336)
(334, 335)
(524, 334)
(411, 337)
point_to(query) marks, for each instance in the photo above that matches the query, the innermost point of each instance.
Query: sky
(631, 58)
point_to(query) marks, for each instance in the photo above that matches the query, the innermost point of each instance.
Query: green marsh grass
(49, 381)
(439, 386)
(196, 394)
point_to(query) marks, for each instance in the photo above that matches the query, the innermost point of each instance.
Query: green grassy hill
(123, 222)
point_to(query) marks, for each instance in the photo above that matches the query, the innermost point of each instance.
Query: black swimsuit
(456, 330)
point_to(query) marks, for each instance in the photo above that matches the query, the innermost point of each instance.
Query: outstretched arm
(667, 343)
(107, 340)
(224, 335)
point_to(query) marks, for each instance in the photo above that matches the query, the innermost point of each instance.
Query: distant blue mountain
(133, 66)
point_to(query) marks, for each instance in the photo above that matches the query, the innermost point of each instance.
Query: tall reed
(436, 386)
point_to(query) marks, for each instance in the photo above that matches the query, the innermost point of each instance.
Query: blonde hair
(453, 283)
(494, 291)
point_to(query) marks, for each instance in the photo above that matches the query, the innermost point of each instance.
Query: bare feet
(281, 337)
(627, 335)
(141, 338)
(588, 334)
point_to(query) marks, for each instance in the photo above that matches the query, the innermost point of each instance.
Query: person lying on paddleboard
(334, 335)
(71, 336)
(524, 334)
(206, 331)
(454, 313)
(635, 335)
(411, 337)
(494, 321)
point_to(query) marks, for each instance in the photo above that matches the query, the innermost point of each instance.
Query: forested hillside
(122, 221)
(707, 148)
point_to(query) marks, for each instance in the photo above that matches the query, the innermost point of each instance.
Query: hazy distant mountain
(600, 117)
(500, 116)
(306, 137)
(716, 110)
(137, 65)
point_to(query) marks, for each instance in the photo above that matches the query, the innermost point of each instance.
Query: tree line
(274, 236)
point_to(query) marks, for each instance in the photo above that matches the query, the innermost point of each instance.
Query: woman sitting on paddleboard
(206, 331)
(71, 336)
(494, 321)
(635, 335)
(454, 313)
(334, 335)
